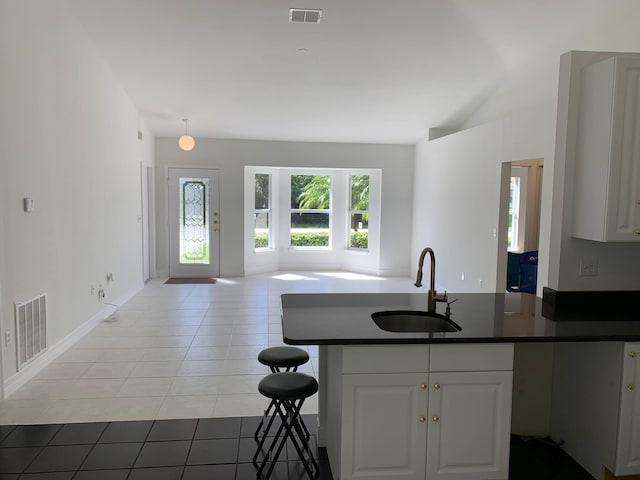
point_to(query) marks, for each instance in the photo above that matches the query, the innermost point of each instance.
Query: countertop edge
(428, 341)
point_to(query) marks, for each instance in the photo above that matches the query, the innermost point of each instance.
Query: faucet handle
(448, 311)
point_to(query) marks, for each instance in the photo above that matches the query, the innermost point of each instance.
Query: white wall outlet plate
(588, 267)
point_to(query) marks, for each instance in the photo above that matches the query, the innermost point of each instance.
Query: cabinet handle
(631, 386)
(637, 231)
(436, 419)
(633, 354)
(422, 419)
(436, 386)
(423, 386)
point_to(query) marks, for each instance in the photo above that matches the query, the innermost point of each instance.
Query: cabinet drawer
(385, 359)
(471, 357)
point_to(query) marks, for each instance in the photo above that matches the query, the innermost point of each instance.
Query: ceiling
(382, 71)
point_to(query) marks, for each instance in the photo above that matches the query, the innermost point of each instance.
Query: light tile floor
(178, 351)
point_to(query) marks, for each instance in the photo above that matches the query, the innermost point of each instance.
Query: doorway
(194, 222)
(520, 199)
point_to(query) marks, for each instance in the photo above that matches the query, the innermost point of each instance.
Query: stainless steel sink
(414, 321)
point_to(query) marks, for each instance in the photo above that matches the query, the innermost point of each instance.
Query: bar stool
(280, 359)
(288, 391)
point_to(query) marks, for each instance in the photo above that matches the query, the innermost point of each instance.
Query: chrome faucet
(433, 296)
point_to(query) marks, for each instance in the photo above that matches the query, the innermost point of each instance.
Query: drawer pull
(633, 354)
(436, 386)
(435, 419)
(422, 419)
(423, 386)
(631, 386)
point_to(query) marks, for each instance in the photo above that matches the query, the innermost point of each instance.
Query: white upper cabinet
(607, 170)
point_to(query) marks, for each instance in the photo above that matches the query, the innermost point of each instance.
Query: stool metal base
(294, 428)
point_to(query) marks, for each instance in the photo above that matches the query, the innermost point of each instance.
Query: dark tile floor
(192, 449)
(539, 459)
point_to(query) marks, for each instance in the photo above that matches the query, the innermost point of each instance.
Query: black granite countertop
(345, 318)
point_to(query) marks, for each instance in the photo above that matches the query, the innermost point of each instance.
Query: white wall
(459, 227)
(457, 201)
(231, 156)
(68, 139)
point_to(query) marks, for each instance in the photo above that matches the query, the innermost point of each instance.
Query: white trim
(30, 370)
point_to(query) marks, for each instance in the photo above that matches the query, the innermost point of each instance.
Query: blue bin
(522, 272)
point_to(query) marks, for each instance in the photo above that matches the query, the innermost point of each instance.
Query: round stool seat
(283, 357)
(288, 386)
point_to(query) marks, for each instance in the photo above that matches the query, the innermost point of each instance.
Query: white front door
(194, 222)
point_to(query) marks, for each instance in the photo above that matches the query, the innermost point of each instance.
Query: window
(517, 209)
(514, 207)
(310, 211)
(262, 211)
(359, 211)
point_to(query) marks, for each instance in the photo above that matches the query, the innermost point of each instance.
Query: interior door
(194, 222)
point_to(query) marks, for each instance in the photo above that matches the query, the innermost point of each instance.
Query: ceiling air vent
(304, 15)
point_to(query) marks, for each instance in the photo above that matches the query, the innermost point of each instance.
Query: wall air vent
(31, 329)
(304, 15)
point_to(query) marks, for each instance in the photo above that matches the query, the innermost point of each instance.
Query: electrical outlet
(588, 267)
(8, 338)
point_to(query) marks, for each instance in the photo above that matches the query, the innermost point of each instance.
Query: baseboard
(29, 371)
(253, 270)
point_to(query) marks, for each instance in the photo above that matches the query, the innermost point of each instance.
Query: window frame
(268, 211)
(351, 211)
(328, 211)
(517, 215)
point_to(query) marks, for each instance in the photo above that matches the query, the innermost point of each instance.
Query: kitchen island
(427, 404)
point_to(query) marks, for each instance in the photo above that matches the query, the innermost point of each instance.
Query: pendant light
(186, 141)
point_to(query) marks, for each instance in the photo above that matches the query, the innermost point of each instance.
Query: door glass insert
(194, 218)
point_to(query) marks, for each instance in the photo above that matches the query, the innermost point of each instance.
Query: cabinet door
(607, 165)
(469, 425)
(628, 451)
(384, 432)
